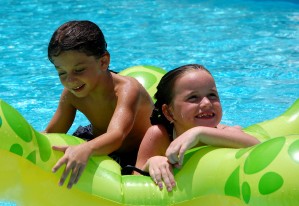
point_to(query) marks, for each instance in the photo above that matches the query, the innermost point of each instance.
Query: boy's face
(196, 101)
(78, 72)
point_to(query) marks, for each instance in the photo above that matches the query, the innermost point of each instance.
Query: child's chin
(204, 123)
(78, 95)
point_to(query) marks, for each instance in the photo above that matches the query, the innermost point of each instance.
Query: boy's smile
(78, 89)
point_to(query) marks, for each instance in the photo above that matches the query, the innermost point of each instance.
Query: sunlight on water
(4, 203)
(251, 48)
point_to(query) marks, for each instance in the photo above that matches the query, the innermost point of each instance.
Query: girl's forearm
(228, 137)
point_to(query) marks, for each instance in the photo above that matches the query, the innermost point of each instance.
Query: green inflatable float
(265, 174)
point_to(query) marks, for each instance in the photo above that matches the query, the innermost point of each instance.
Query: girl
(187, 114)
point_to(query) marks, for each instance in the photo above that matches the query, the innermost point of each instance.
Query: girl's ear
(167, 112)
(105, 61)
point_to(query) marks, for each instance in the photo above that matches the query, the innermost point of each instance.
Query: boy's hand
(75, 158)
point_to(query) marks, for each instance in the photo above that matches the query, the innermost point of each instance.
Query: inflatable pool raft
(265, 174)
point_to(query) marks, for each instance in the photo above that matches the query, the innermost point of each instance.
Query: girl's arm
(154, 143)
(151, 157)
(232, 137)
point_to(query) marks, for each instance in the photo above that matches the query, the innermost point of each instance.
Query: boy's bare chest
(99, 113)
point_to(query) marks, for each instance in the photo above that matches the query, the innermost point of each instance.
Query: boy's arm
(63, 117)
(122, 121)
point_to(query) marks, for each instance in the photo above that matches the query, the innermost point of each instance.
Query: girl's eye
(213, 96)
(192, 98)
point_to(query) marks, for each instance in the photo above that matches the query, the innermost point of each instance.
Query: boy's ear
(105, 60)
(167, 112)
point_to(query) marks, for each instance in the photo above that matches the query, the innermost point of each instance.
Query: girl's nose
(205, 102)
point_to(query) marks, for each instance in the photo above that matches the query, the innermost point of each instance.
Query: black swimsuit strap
(132, 168)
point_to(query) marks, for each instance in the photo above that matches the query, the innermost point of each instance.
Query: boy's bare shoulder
(66, 96)
(128, 84)
(126, 79)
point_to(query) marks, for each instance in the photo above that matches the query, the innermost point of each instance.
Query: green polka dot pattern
(32, 157)
(44, 146)
(294, 151)
(241, 152)
(17, 149)
(258, 159)
(269, 150)
(270, 182)
(246, 192)
(17, 122)
(232, 185)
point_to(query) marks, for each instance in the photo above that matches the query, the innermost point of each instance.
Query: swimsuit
(123, 159)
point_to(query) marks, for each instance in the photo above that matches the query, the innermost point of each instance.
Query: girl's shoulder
(157, 137)
(159, 133)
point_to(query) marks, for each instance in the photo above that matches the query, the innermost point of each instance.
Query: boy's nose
(70, 78)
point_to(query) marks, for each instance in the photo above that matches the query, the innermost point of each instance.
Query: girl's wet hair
(164, 94)
(83, 36)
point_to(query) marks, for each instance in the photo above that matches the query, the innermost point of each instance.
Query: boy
(117, 107)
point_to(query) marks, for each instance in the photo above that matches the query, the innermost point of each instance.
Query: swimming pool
(251, 48)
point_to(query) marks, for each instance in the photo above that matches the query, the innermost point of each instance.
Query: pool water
(251, 48)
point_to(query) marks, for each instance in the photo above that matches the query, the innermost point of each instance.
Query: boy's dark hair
(164, 94)
(83, 36)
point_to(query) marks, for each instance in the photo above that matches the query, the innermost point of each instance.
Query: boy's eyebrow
(78, 64)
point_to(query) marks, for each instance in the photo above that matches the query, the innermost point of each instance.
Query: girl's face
(195, 101)
(77, 72)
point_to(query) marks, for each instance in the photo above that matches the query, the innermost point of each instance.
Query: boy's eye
(61, 73)
(79, 70)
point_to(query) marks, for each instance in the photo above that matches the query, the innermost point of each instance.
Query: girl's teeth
(205, 115)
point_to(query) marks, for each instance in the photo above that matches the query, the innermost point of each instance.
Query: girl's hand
(177, 148)
(75, 158)
(161, 171)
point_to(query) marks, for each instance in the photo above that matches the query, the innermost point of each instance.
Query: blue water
(251, 48)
